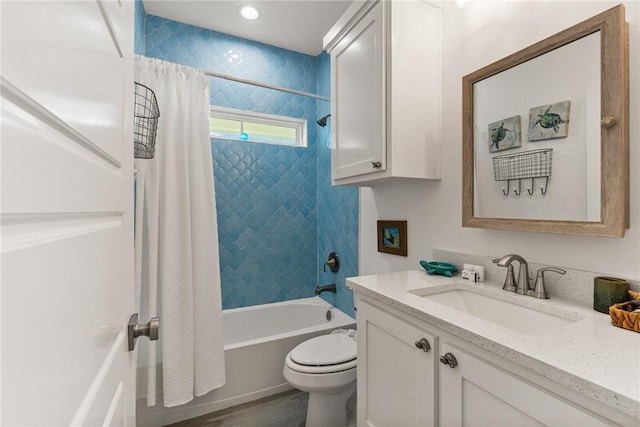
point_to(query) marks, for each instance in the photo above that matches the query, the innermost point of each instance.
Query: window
(240, 125)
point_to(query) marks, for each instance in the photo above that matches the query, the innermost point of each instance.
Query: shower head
(323, 120)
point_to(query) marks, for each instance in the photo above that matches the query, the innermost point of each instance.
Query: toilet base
(329, 409)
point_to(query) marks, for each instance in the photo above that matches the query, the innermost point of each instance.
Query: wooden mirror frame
(614, 138)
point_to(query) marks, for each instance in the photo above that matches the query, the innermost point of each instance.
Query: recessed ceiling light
(249, 11)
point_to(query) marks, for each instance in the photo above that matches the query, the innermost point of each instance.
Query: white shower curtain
(176, 239)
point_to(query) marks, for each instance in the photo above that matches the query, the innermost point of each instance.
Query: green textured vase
(608, 291)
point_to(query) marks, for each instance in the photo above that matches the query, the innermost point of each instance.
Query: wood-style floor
(287, 409)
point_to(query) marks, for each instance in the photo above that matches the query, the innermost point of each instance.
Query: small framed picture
(549, 121)
(392, 237)
(505, 134)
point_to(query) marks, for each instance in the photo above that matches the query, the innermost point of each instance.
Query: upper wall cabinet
(385, 92)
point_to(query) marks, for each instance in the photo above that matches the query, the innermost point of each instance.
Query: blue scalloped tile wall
(138, 31)
(223, 53)
(272, 241)
(338, 207)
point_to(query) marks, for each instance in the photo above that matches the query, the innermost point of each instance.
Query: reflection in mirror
(546, 134)
(572, 191)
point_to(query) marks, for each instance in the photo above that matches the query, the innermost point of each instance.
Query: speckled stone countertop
(588, 355)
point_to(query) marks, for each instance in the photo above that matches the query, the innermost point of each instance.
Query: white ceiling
(297, 25)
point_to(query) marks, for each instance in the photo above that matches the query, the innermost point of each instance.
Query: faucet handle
(333, 263)
(539, 291)
(554, 269)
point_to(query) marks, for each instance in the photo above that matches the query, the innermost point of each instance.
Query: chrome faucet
(523, 284)
(325, 288)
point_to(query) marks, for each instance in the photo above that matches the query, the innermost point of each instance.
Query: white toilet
(324, 366)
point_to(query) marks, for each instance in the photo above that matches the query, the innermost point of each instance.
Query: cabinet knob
(376, 164)
(449, 359)
(423, 345)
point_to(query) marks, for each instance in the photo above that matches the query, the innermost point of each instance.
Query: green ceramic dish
(442, 268)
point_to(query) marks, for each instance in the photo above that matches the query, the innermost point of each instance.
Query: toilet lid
(325, 350)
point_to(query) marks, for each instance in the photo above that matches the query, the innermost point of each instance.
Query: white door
(66, 213)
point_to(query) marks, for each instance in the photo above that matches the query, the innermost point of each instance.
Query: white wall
(481, 33)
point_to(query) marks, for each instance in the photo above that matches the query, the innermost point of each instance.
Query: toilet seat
(325, 350)
(323, 354)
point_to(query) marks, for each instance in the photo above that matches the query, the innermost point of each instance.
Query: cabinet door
(477, 393)
(358, 119)
(396, 380)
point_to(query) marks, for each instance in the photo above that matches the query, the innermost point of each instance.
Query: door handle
(135, 330)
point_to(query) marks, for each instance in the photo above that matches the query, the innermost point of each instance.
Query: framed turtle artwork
(505, 134)
(549, 121)
(392, 237)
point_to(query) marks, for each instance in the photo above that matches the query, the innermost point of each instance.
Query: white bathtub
(257, 339)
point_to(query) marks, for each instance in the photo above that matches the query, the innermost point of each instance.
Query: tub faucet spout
(325, 288)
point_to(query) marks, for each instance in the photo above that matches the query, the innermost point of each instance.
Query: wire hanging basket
(527, 164)
(146, 113)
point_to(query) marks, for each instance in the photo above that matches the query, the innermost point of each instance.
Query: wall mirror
(546, 134)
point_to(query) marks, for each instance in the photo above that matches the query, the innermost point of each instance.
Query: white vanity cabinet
(385, 92)
(396, 376)
(476, 393)
(399, 384)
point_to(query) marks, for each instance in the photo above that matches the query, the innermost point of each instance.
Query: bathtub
(256, 341)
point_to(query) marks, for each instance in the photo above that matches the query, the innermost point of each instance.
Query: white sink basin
(512, 316)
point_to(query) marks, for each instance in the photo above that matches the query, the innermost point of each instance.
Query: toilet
(325, 367)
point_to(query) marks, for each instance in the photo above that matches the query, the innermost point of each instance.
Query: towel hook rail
(530, 164)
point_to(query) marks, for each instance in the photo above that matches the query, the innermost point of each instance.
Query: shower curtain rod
(265, 85)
